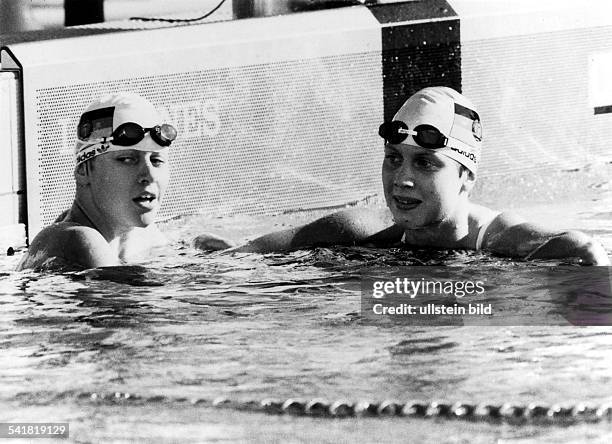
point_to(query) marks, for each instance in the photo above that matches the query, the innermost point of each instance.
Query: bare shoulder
(481, 215)
(511, 233)
(68, 243)
(511, 225)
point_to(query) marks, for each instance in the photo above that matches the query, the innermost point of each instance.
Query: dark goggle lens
(391, 131)
(128, 134)
(429, 137)
(163, 134)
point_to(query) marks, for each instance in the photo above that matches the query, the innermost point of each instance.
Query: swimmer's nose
(403, 178)
(404, 183)
(146, 171)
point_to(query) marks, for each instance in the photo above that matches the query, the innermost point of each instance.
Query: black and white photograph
(306, 221)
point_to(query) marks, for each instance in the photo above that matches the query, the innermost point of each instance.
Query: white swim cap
(452, 114)
(96, 130)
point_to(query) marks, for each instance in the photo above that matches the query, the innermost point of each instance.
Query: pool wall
(281, 113)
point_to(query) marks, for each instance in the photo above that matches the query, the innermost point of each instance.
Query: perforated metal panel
(533, 96)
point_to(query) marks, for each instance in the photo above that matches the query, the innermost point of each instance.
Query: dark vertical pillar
(243, 9)
(420, 47)
(83, 12)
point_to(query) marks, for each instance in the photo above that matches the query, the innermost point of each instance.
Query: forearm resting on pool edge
(572, 244)
(525, 240)
(347, 227)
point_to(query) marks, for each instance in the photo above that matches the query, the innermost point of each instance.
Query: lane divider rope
(509, 413)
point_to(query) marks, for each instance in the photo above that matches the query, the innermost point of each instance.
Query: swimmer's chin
(146, 220)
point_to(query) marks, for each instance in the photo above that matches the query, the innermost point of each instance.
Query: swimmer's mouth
(145, 198)
(405, 203)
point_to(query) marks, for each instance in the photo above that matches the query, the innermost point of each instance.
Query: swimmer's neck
(88, 215)
(452, 231)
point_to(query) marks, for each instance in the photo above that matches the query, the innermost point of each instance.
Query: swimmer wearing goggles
(95, 132)
(432, 149)
(121, 173)
(426, 136)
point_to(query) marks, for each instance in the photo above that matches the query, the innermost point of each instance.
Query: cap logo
(103, 148)
(470, 156)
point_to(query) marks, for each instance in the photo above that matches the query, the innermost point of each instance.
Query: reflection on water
(251, 327)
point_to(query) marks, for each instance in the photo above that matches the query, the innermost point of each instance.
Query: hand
(594, 254)
(589, 251)
(572, 244)
(210, 242)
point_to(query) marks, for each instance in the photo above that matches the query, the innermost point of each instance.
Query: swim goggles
(98, 124)
(427, 136)
(130, 133)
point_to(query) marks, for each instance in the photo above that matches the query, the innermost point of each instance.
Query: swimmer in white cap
(121, 175)
(432, 152)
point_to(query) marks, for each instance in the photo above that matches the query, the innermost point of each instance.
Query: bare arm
(511, 236)
(354, 226)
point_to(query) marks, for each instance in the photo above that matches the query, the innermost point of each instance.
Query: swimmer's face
(127, 185)
(422, 188)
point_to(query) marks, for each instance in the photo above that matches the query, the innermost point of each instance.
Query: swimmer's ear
(81, 174)
(468, 180)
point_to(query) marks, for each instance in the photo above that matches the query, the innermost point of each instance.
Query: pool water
(248, 327)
